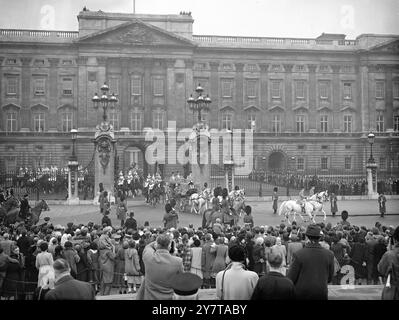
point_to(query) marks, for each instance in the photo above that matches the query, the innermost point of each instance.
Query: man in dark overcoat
(312, 268)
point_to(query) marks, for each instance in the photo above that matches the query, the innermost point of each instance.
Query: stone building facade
(310, 102)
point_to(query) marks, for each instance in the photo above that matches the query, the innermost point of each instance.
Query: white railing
(38, 33)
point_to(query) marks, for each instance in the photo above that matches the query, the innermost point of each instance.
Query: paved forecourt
(361, 212)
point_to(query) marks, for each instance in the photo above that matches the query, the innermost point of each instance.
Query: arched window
(252, 118)
(226, 118)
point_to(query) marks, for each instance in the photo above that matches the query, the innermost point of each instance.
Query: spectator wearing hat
(121, 208)
(93, 266)
(160, 267)
(371, 242)
(207, 260)
(132, 267)
(66, 287)
(6, 244)
(24, 211)
(217, 227)
(131, 222)
(389, 263)
(280, 248)
(185, 286)
(275, 285)
(72, 257)
(259, 256)
(14, 280)
(107, 260)
(235, 282)
(312, 268)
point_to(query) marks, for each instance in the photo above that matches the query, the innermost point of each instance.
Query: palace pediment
(391, 46)
(135, 33)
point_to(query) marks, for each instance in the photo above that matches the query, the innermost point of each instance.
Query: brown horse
(14, 217)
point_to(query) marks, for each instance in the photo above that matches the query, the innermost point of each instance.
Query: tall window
(11, 121)
(114, 119)
(251, 121)
(227, 88)
(276, 92)
(39, 121)
(12, 86)
(157, 120)
(324, 123)
(383, 163)
(39, 87)
(324, 163)
(67, 86)
(300, 164)
(136, 86)
(300, 89)
(396, 123)
(66, 121)
(114, 85)
(347, 90)
(348, 163)
(158, 87)
(136, 120)
(300, 123)
(396, 90)
(379, 89)
(324, 91)
(380, 122)
(276, 123)
(251, 88)
(348, 123)
(227, 121)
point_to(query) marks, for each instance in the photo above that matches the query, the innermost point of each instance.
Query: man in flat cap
(312, 268)
(185, 286)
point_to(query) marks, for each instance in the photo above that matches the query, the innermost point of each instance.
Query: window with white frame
(227, 86)
(39, 121)
(12, 86)
(11, 61)
(379, 89)
(300, 89)
(113, 83)
(11, 121)
(114, 119)
(276, 89)
(66, 120)
(324, 163)
(300, 68)
(348, 123)
(324, 89)
(251, 88)
(158, 87)
(347, 90)
(348, 163)
(396, 123)
(324, 123)
(300, 123)
(252, 68)
(136, 120)
(276, 123)
(396, 89)
(251, 121)
(158, 119)
(39, 86)
(383, 163)
(136, 85)
(380, 122)
(67, 86)
(227, 120)
(300, 164)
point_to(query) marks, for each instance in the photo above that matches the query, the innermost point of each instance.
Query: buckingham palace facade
(310, 102)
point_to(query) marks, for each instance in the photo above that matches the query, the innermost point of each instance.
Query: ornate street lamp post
(105, 101)
(73, 196)
(198, 104)
(371, 168)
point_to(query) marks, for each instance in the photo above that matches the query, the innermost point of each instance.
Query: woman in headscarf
(132, 266)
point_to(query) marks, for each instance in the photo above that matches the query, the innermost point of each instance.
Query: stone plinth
(200, 165)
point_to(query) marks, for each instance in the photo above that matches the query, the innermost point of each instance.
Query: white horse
(313, 205)
(199, 203)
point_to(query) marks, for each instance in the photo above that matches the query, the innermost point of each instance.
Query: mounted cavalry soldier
(24, 212)
(11, 204)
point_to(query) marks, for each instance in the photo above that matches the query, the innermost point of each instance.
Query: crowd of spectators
(112, 257)
(339, 184)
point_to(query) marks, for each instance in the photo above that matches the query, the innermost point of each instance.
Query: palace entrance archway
(276, 161)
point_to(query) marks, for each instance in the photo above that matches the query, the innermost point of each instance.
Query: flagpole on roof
(134, 6)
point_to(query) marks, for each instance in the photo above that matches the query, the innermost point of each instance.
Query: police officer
(25, 207)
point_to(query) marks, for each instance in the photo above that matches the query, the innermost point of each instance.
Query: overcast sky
(269, 18)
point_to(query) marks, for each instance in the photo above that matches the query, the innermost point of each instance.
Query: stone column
(312, 98)
(147, 92)
(214, 94)
(2, 115)
(124, 101)
(239, 120)
(53, 91)
(364, 102)
(290, 115)
(26, 94)
(264, 95)
(335, 99)
(388, 99)
(171, 99)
